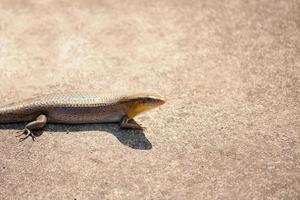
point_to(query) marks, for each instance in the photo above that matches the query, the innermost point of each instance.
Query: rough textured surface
(230, 70)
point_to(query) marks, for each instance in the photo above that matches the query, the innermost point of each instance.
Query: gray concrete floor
(229, 69)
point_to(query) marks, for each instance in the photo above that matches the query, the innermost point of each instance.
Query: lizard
(78, 108)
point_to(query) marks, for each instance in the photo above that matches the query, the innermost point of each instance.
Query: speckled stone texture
(229, 69)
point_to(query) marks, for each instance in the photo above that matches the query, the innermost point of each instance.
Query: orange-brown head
(141, 103)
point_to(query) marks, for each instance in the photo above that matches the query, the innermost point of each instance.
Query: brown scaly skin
(78, 109)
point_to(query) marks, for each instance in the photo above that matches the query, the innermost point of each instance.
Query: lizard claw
(143, 128)
(27, 133)
(140, 127)
(20, 131)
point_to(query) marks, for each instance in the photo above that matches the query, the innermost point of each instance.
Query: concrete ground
(229, 69)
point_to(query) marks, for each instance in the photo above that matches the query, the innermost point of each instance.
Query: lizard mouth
(161, 101)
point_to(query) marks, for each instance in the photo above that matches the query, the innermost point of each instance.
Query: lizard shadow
(135, 139)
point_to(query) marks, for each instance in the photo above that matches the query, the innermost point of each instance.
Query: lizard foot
(27, 134)
(132, 125)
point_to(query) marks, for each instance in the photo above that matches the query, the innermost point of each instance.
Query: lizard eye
(150, 100)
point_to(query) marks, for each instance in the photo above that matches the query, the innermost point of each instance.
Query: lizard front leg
(127, 123)
(39, 123)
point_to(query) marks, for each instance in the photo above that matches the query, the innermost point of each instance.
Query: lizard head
(143, 102)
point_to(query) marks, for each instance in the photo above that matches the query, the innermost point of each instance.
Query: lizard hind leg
(39, 123)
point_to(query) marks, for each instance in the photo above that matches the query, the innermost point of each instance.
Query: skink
(78, 109)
